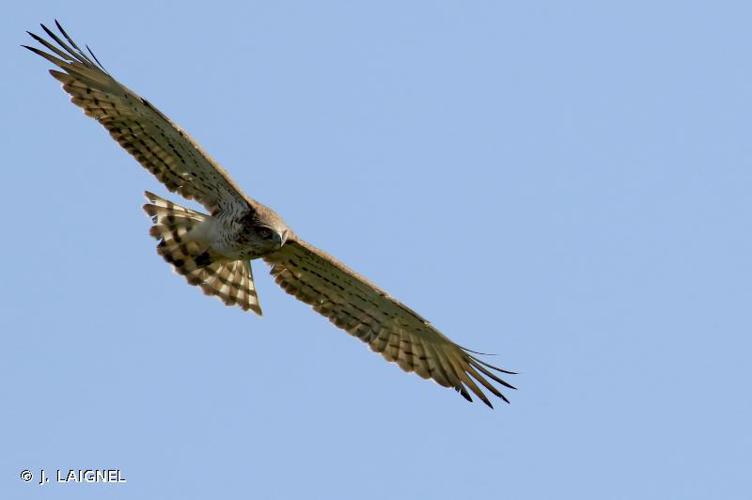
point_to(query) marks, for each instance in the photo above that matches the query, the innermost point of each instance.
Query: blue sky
(566, 184)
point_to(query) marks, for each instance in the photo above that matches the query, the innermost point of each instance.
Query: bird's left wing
(157, 143)
(362, 309)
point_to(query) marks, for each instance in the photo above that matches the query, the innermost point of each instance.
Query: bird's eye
(265, 232)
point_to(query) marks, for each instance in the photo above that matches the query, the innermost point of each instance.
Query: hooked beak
(282, 238)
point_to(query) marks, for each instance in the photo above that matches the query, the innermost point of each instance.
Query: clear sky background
(565, 184)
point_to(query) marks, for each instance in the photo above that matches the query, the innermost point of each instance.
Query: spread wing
(362, 309)
(158, 144)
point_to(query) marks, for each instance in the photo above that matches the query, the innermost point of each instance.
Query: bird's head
(264, 230)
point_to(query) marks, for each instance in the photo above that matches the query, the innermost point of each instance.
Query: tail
(230, 281)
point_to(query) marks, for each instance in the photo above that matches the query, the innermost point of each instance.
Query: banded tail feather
(230, 281)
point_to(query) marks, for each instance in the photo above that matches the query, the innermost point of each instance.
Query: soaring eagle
(213, 251)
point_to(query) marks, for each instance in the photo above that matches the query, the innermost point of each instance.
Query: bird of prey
(213, 251)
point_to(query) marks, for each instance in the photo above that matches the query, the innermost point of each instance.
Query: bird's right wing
(155, 141)
(389, 327)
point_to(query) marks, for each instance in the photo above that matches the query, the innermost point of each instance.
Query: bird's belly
(231, 247)
(236, 252)
(222, 241)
